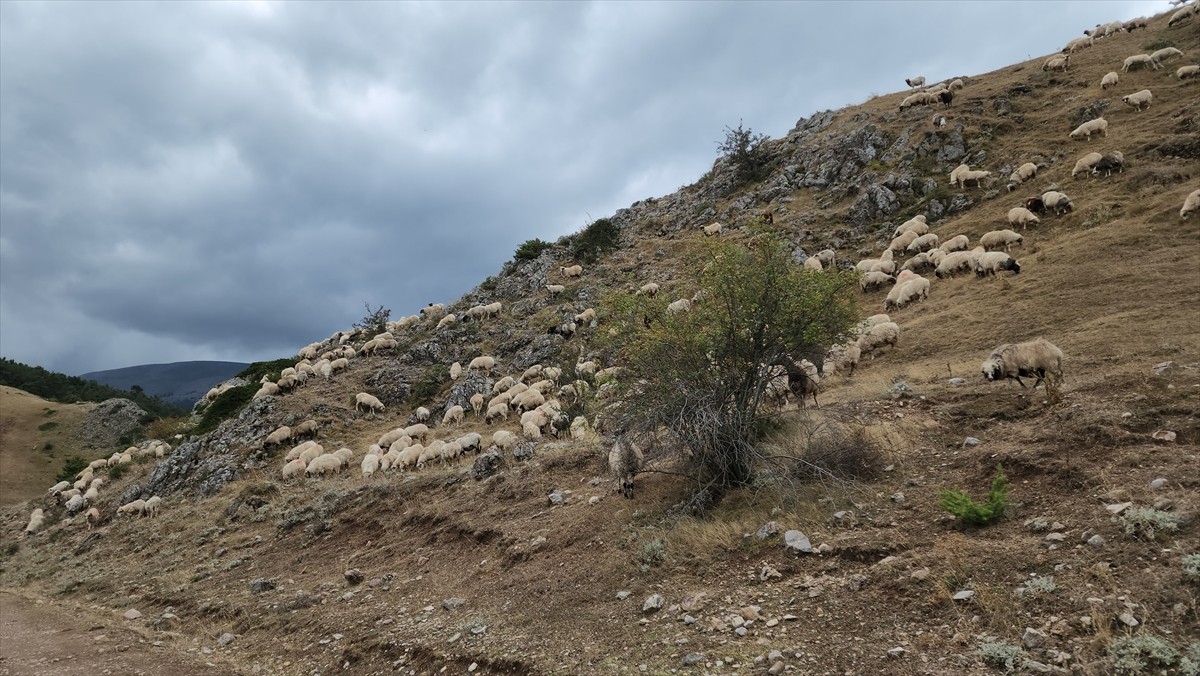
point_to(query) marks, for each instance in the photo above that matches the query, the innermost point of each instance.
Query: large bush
(595, 240)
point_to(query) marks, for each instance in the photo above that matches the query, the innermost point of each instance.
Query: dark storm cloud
(233, 180)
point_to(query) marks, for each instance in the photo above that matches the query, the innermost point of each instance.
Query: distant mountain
(181, 383)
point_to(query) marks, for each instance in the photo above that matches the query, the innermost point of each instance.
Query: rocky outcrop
(111, 421)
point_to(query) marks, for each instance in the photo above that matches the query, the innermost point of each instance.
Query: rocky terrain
(531, 562)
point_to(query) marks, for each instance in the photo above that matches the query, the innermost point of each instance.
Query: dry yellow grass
(27, 465)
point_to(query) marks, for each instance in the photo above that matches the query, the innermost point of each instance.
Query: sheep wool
(1037, 358)
(1139, 101)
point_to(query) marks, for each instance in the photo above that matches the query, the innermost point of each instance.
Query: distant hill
(66, 389)
(181, 383)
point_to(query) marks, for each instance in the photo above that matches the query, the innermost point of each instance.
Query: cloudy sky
(233, 180)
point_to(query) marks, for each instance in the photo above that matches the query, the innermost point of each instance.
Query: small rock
(472, 667)
(768, 573)
(898, 497)
(1035, 666)
(1119, 507)
(777, 668)
(354, 576)
(774, 656)
(692, 658)
(1055, 537)
(688, 619)
(1164, 504)
(1164, 435)
(824, 548)
(1158, 483)
(452, 603)
(794, 539)
(772, 622)
(261, 585)
(478, 629)
(557, 498)
(1128, 619)
(971, 441)
(920, 574)
(622, 595)
(957, 381)
(694, 601)
(1163, 366)
(1096, 541)
(225, 639)
(740, 631)
(594, 500)
(895, 653)
(1033, 638)
(454, 638)
(768, 529)
(653, 603)
(963, 595)
(132, 614)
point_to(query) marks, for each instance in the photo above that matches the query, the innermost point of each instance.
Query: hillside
(181, 384)
(538, 565)
(35, 437)
(66, 389)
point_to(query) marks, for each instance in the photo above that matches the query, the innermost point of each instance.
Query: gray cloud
(233, 180)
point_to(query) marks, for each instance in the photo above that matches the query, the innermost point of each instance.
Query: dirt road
(44, 639)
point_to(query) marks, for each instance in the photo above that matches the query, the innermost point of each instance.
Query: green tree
(747, 152)
(702, 375)
(375, 321)
(531, 249)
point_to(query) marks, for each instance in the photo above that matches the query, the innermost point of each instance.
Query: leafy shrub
(1191, 567)
(1136, 654)
(226, 406)
(271, 369)
(747, 152)
(970, 512)
(429, 385)
(1000, 655)
(1039, 586)
(488, 284)
(71, 467)
(595, 240)
(375, 321)
(117, 471)
(844, 453)
(654, 552)
(1147, 522)
(531, 249)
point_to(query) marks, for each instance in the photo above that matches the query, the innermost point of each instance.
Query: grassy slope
(1117, 295)
(27, 467)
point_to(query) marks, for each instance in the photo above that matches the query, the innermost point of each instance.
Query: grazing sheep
(552, 373)
(648, 289)
(555, 289)
(1134, 24)
(422, 414)
(1110, 79)
(1001, 238)
(713, 229)
(1057, 63)
(390, 437)
(572, 271)
(477, 403)
(531, 431)
(137, 507)
(681, 305)
(918, 81)
(1021, 174)
(956, 243)
(454, 414)
(586, 317)
(371, 464)
(93, 517)
(803, 380)
(566, 330)
(875, 280)
(811, 263)
(58, 488)
(1037, 358)
(1078, 44)
(1190, 204)
(503, 384)
(956, 173)
(952, 264)
(587, 368)
(1181, 16)
(923, 243)
(1164, 54)
(417, 431)
(338, 364)
(36, 519)
(446, 321)
(1083, 165)
(899, 243)
(976, 176)
(495, 411)
(993, 262)
(946, 97)
(278, 437)
(505, 440)
(1138, 101)
(1022, 217)
(456, 370)
(1114, 161)
(1139, 60)
(907, 292)
(1057, 201)
(919, 263)
(308, 428)
(1185, 72)
(344, 456)
(433, 310)
(1090, 127)
(370, 401)
(916, 224)
(843, 356)
(152, 505)
(879, 335)
(918, 99)
(324, 464)
(625, 461)
(956, 84)
(482, 363)
(267, 390)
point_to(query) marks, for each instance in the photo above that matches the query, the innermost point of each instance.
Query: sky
(234, 180)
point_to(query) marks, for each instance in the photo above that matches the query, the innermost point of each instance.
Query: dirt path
(45, 639)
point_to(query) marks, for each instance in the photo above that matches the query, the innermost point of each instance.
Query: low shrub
(973, 513)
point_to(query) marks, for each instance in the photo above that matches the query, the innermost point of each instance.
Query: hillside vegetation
(66, 389)
(36, 437)
(530, 560)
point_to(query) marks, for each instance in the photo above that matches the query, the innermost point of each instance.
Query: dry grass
(27, 465)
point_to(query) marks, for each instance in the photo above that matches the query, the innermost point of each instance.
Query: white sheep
(918, 99)
(477, 403)
(482, 364)
(1036, 358)
(976, 176)
(152, 506)
(956, 84)
(580, 429)
(1139, 60)
(1190, 204)
(1090, 127)
(1058, 201)
(625, 460)
(505, 440)
(422, 414)
(914, 82)
(497, 410)
(344, 456)
(1139, 100)
(956, 243)
(586, 317)
(1110, 79)
(811, 263)
(953, 263)
(93, 517)
(1085, 164)
(456, 370)
(1078, 44)
(713, 229)
(433, 310)
(137, 507)
(681, 305)
(267, 390)
(555, 289)
(572, 271)
(588, 368)
(369, 400)
(1182, 15)
(916, 223)
(993, 262)
(826, 256)
(36, 519)
(1164, 54)
(648, 289)
(278, 437)
(410, 456)
(470, 442)
(842, 356)
(1185, 72)
(446, 321)
(906, 292)
(324, 464)
(454, 414)
(417, 431)
(1001, 238)
(294, 467)
(371, 464)
(58, 488)
(531, 431)
(1022, 217)
(923, 243)
(552, 373)
(899, 243)
(874, 280)
(958, 172)
(1057, 63)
